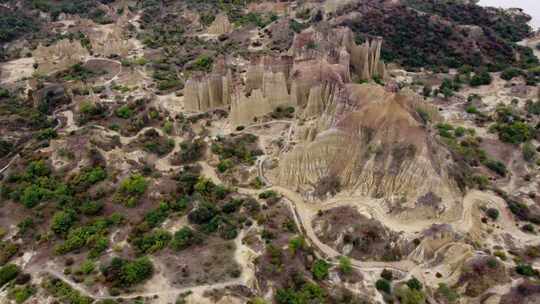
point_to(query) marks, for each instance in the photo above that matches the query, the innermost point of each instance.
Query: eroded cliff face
(318, 62)
(202, 93)
(220, 26)
(59, 56)
(375, 144)
(338, 46)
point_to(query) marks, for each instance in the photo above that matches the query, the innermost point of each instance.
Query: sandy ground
(15, 70)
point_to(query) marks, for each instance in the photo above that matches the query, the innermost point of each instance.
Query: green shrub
(191, 151)
(47, 134)
(529, 152)
(471, 110)
(5, 147)
(449, 294)
(203, 213)
(184, 238)
(33, 195)
(526, 270)
(445, 130)
(424, 115)
(459, 132)
(308, 293)
(64, 292)
(62, 221)
(168, 127)
(533, 107)
(269, 194)
(124, 112)
(480, 78)
(492, 213)
(7, 251)
(496, 166)
(131, 189)
(410, 296)
(387, 275)
(514, 133)
(320, 269)
(345, 265)
(87, 267)
(510, 73)
(20, 294)
(225, 165)
(152, 242)
(91, 208)
(383, 285)
(414, 283)
(92, 235)
(125, 273)
(296, 244)
(203, 63)
(296, 26)
(8, 272)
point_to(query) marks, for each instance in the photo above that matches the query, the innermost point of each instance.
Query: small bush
(8, 273)
(496, 166)
(345, 265)
(414, 283)
(384, 286)
(320, 270)
(529, 152)
(526, 270)
(185, 238)
(125, 273)
(124, 112)
(492, 213)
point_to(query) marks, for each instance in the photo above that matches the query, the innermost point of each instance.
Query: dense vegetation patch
(415, 39)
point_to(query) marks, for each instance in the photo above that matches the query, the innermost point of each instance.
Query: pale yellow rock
(59, 56)
(373, 141)
(220, 26)
(275, 89)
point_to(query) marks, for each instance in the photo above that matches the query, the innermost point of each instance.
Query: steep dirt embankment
(375, 145)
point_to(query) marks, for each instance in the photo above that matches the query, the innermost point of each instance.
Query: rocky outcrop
(59, 56)
(319, 65)
(220, 26)
(338, 46)
(203, 93)
(373, 141)
(261, 101)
